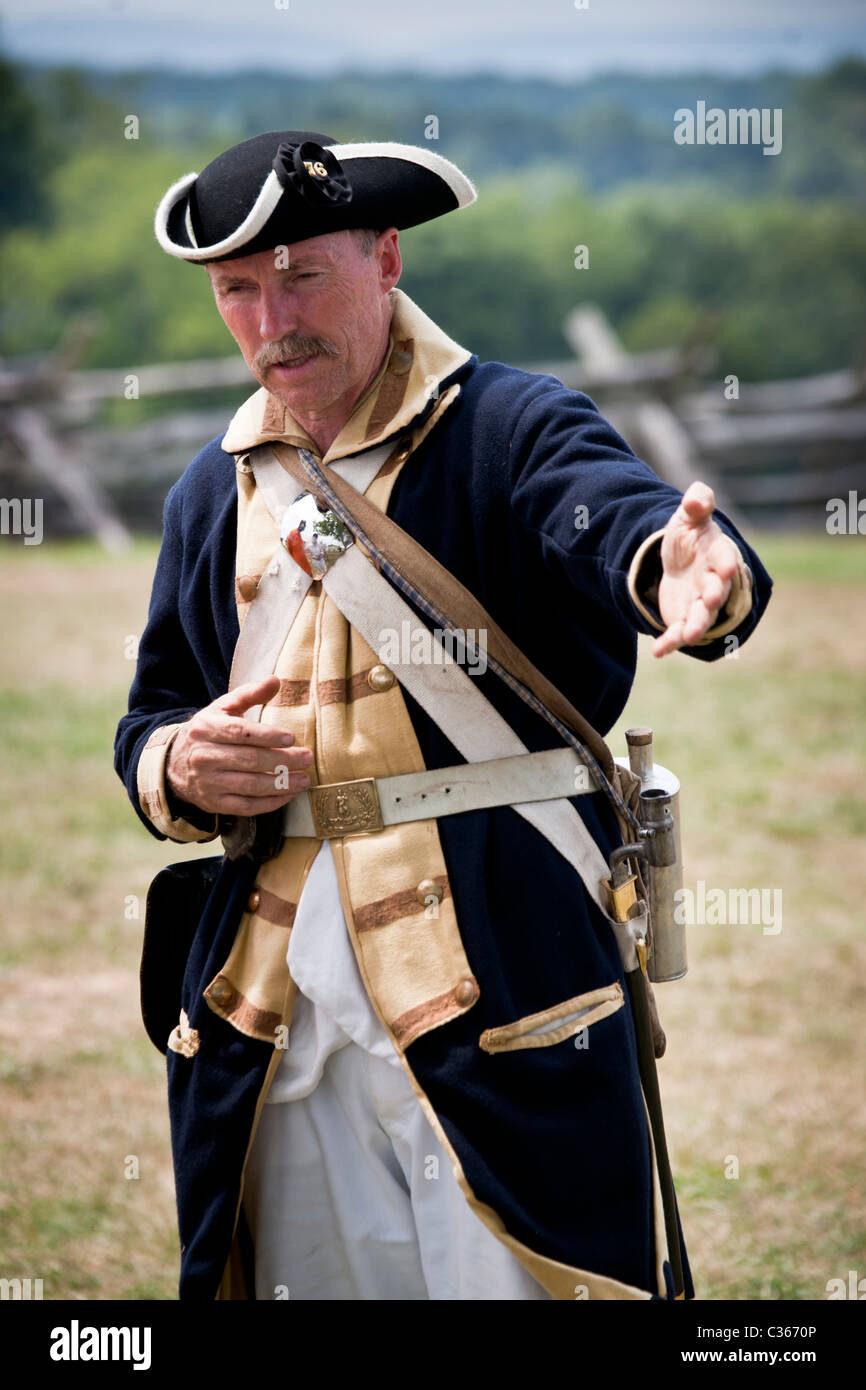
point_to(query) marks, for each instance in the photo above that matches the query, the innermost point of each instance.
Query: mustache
(293, 345)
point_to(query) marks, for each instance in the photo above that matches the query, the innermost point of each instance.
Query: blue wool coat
(554, 1139)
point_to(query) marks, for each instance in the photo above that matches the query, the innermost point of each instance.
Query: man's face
(311, 320)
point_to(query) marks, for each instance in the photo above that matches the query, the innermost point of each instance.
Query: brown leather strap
(440, 588)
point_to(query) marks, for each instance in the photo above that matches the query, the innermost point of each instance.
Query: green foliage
(776, 282)
(101, 255)
(24, 156)
(604, 131)
(777, 286)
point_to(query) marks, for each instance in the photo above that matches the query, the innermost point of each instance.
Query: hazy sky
(544, 37)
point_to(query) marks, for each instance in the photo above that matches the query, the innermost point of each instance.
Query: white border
(461, 187)
(269, 195)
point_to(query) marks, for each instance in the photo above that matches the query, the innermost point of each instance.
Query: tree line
(773, 273)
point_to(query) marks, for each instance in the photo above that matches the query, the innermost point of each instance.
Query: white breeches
(348, 1192)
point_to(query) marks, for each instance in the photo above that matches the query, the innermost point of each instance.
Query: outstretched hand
(698, 565)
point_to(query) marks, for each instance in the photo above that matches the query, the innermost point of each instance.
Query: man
(404, 1066)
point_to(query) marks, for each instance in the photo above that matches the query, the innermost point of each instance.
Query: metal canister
(660, 797)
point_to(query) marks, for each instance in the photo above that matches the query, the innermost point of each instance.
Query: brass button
(380, 678)
(466, 992)
(220, 991)
(248, 587)
(254, 900)
(429, 888)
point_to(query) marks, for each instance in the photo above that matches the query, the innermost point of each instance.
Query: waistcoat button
(248, 587)
(221, 991)
(380, 678)
(254, 900)
(429, 888)
(466, 992)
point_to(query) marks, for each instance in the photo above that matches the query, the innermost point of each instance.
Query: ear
(387, 253)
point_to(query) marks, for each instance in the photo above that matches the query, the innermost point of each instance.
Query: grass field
(764, 1075)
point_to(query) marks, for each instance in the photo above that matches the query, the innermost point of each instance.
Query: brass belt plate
(345, 808)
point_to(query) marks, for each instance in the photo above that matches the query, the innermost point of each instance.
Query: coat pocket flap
(553, 1025)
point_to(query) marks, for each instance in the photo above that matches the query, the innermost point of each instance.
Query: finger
(721, 556)
(213, 756)
(670, 640)
(259, 786)
(697, 622)
(247, 696)
(698, 501)
(231, 729)
(714, 591)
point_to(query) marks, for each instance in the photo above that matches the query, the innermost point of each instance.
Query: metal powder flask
(661, 852)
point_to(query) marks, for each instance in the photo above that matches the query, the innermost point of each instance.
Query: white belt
(370, 803)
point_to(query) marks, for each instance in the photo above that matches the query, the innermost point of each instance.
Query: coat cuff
(643, 586)
(154, 796)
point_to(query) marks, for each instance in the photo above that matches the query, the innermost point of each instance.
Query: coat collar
(420, 357)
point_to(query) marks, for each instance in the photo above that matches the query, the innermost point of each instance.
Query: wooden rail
(779, 450)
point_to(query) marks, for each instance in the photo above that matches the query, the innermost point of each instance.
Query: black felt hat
(288, 185)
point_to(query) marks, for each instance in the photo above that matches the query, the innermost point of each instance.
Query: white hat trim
(269, 196)
(187, 222)
(460, 186)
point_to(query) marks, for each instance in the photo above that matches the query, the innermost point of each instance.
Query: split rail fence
(775, 453)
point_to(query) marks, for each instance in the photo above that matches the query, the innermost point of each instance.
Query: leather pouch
(176, 900)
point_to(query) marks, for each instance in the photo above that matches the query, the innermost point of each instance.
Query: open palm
(698, 564)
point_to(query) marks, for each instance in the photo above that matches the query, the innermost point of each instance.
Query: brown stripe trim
(292, 693)
(340, 691)
(279, 911)
(246, 1017)
(396, 905)
(423, 1017)
(391, 393)
(161, 736)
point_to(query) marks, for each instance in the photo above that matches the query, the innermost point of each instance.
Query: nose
(278, 313)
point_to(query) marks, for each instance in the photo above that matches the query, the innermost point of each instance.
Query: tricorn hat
(288, 185)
